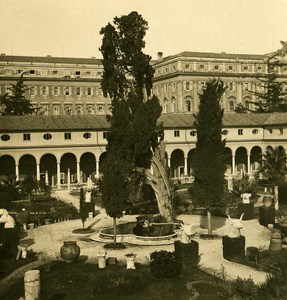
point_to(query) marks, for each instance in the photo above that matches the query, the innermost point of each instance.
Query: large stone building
(48, 146)
(64, 86)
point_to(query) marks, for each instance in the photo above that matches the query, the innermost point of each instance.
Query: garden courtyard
(47, 240)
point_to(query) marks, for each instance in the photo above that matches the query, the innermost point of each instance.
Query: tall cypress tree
(208, 160)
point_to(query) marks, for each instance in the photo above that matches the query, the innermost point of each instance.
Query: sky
(71, 28)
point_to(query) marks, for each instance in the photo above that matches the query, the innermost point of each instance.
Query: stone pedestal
(233, 248)
(247, 209)
(32, 285)
(266, 215)
(186, 255)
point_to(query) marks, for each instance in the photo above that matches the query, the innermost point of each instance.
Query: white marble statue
(6, 218)
(235, 227)
(187, 232)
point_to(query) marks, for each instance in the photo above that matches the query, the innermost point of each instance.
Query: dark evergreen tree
(127, 79)
(272, 98)
(83, 213)
(208, 160)
(16, 104)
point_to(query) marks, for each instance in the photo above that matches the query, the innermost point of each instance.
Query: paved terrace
(48, 239)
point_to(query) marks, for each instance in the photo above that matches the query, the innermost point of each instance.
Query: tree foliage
(273, 167)
(127, 79)
(15, 103)
(208, 160)
(273, 97)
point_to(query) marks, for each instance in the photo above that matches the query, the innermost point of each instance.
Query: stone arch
(241, 159)
(187, 103)
(228, 160)
(48, 168)
(27, 166)
(255, 158)
(173, 105)
(165, 109)
(189, 162)
(88, 166)
(102, 160)
(7, 165)
(68, 161)
(231, 103)
(177, 163)
(247, 102)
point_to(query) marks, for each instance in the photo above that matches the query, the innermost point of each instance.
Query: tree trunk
(115, 230)
(209, 222)
(160, 182)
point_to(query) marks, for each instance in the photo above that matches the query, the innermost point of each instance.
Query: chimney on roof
(159, 55)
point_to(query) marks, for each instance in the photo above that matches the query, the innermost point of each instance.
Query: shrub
(227, 289)
(118, 282)
(275, 287)
(163, 264)
(243, 289)
(246, 288)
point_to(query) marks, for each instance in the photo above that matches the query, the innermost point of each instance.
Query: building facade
(72, 86)
(55, 148)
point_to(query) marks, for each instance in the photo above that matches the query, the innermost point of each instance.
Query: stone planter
(70, 251)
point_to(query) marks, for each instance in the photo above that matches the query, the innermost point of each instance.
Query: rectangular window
(56, 110)
(100, 109)
(216, 67)
(105, 134)
(55, 90)
(280, 131)
(55, 72)
(245, 68)
(44, 91)
(186, 66)
(78, 73)
(231, 86)
(78, 91)
(68, 135)
(33, 90)
(176, 133)
(240, 131)
(66, 91)
(187, 86)
(246, 86)
(89, 91)
(32, 72)
(26, 137)
(173, 85)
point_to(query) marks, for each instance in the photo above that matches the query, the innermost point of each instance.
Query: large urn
(70, 251)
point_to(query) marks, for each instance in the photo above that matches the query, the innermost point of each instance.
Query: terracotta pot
(70, 251)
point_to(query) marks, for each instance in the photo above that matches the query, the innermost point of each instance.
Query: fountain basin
(163, 234)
